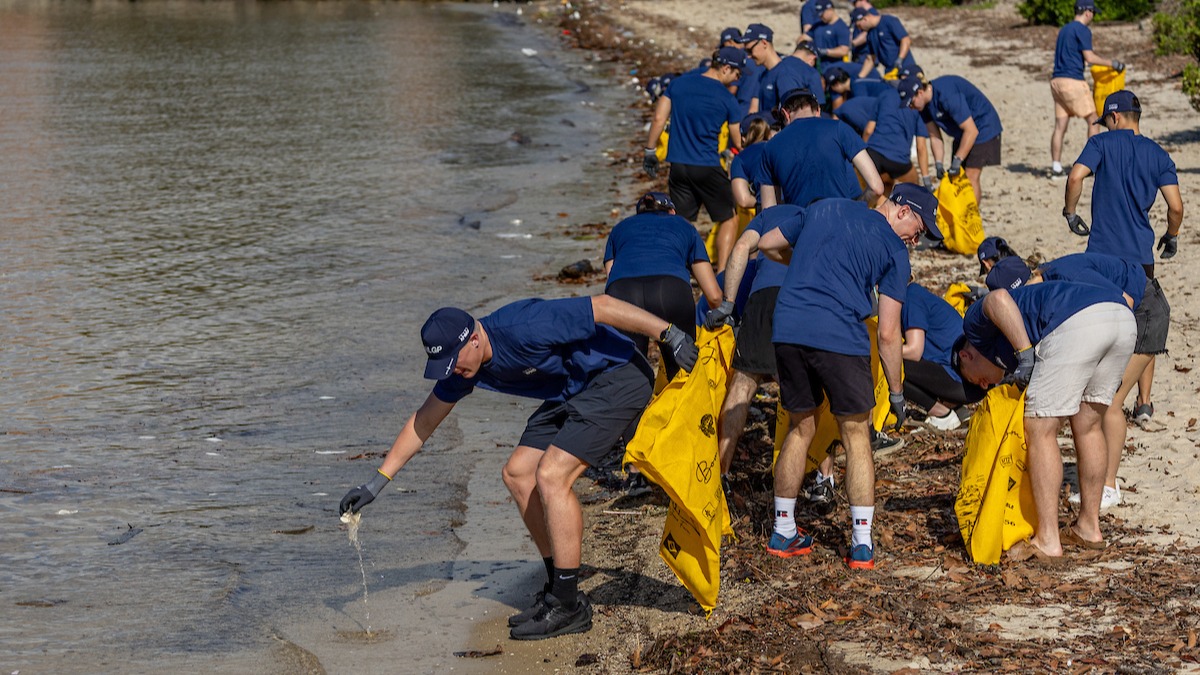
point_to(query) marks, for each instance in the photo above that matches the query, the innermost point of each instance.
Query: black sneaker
(637, 485)
(882, 444)
(821, 495)
(525, 615)
(553, 620)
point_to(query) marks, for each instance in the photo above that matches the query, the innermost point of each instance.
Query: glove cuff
(375, 485)
(896, 397)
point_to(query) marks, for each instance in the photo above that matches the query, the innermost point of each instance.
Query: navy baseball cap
(1120, 101)
(730, 34)
(923, 202)
(974, 392)
(856, 14)
(821, 5)
(654, 202)
(444, 334)
(1083, 5)
(793, 93)
(1009, 273)
(744, 127)
(834, 73)
(909, 86)
(992, 247)
(731, 56)
(757, 31)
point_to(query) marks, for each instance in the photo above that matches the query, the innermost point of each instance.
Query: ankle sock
(785, 516)
(565, 587)
(549, 563)
(862, 516)
(1057, 167)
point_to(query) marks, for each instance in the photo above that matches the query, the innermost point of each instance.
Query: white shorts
(1083, 359)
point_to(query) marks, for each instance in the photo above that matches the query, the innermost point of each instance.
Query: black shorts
(1153, 320)
(887, 166)
(982, 154)
(590, 423)
(807, 374)
(692, 186)
(667, 297)
(926, 383)
(753, 352)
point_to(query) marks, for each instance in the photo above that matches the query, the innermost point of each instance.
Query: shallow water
(223, 224)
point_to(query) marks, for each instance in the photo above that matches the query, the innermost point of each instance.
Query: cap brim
(931, 229)
(440, 369)
(983, 270)
(1100, 120)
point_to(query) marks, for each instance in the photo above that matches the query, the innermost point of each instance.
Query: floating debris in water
(331, 452)
(67, 512)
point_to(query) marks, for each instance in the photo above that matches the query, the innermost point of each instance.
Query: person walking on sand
(1130, 170)
(698, 106)
(813, 158)
(1065, 344)
(952, 104)
(783, 74)
(830, 35)
(594, 384)
(888, 43)
(838, 252)
(1072, 96)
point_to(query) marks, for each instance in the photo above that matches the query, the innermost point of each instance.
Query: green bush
(921, 3)
(1061, 12)
(1178, 32)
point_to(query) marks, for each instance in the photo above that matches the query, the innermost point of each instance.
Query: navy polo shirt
(954, 101)
(790, 73)
(810, 159)
(940, 321)
(1043, 307)
(747, 165)
(699, 107)
(858, 112)
(748, 85)
(1129, 170)
(830, 36)
(842, 251)
(895, 128)
(770, 273)
(653, 244)
(884, 40)
(1073, 39)
(543, 349)
(1099, 269)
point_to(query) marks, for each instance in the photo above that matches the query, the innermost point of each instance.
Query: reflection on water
(222, 224)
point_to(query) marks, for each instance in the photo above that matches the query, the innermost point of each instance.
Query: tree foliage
(1178, 32)
(1061, 12)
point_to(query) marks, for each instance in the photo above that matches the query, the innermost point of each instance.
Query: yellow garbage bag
(995, 500)
(956, 295)
(893, 74)
(744, 216)
(676, 447)
(1107, 81)
(958, 215)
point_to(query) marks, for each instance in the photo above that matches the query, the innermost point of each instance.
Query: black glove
(927, 182)
(650, 162)
(896, 403)
(363, 494)
(955, 166)
(939, 170)
(1024, 370)
(1118, 66)
(1076, 224)
(899, 64)
(681, 346)
(718, 316)
(1169, 245)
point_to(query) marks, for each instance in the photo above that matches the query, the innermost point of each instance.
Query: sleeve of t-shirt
(699, 253)
(913, 315)
(917, 123)
(1167, 175)
(815, 85)
(978, 329)
(841, 33)
(1090, 157)
(1085, 39)
(956, 106)
(852, 144)
(791, 229)
(608, 246)
(738, 169)
(896, 30)
(733, 112)
(453, 389)
(894, 283)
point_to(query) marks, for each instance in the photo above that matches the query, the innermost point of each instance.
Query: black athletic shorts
(692, 186)
(806, 375)
(753, 352)
(888, 166)
(926, 383)
(667, 297)
(1153, 320)
(590, 423)
(982, 154)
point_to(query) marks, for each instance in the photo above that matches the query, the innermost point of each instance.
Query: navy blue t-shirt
(808, 14)
(748, 85)
(1073, 39)
(739, 303)
(870, 86)
(841, 251)
(884, 41)
(699, 107)
(790, 73)
(1043, 307)
(653, 244)
(858, 112)
(830, 36)
(940, 321)
(543, 349)
(1129, 170)
(1099, 269)
(895, 128)
(771, 273)
(954, 100)
(747, 165)
(811, 159)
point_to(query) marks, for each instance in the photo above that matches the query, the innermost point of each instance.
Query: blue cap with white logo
(444, 334)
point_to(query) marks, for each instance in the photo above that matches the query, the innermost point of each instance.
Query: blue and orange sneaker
(781, 547)
(862, 557)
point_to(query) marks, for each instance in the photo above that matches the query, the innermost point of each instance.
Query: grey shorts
(1153, 320)
(1083, 359)
(590, 423)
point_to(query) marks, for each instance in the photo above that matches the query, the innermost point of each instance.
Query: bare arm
(624, 316)
(1001, 310)
(922, 156)
(776, 247)
(838, 52)
(967, 141)
(608, 267)
(735, 136)
(1174, 201)
(935, 141)
(868, 131)
(914, 344)
(859, 40)
(891, 343)
(870, 175)
(662, 113)
(742, 194)
(735, 267)
(416, 431)
(1090, 58)
(768, 196)
(1074, 188)
(703, 271)
(905, 47)
(753, 105)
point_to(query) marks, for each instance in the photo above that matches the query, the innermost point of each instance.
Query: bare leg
(1045, 477)
(1093, 458)
(1115, 428)
(520, 477)
(556, 473)
(973, 176)
(1092, 128)
(860, 465)
(1144, 382)
(789, 467)
(939, 409)
(727, 236)
(910, 177)
(733, 414)
(1056, 139)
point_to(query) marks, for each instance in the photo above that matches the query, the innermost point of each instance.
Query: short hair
(804, 45)
(800, 98)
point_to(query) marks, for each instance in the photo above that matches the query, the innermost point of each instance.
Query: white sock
(1057, 166)
(861, 516)
(785, 516)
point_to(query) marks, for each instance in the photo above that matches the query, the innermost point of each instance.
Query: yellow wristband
(381, 473)
(1019, 351)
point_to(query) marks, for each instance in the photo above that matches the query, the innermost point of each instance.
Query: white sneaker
(1110, 498)
(947, 422)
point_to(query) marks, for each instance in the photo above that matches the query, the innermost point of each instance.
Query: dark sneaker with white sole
(553, 620)
(527, 614)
